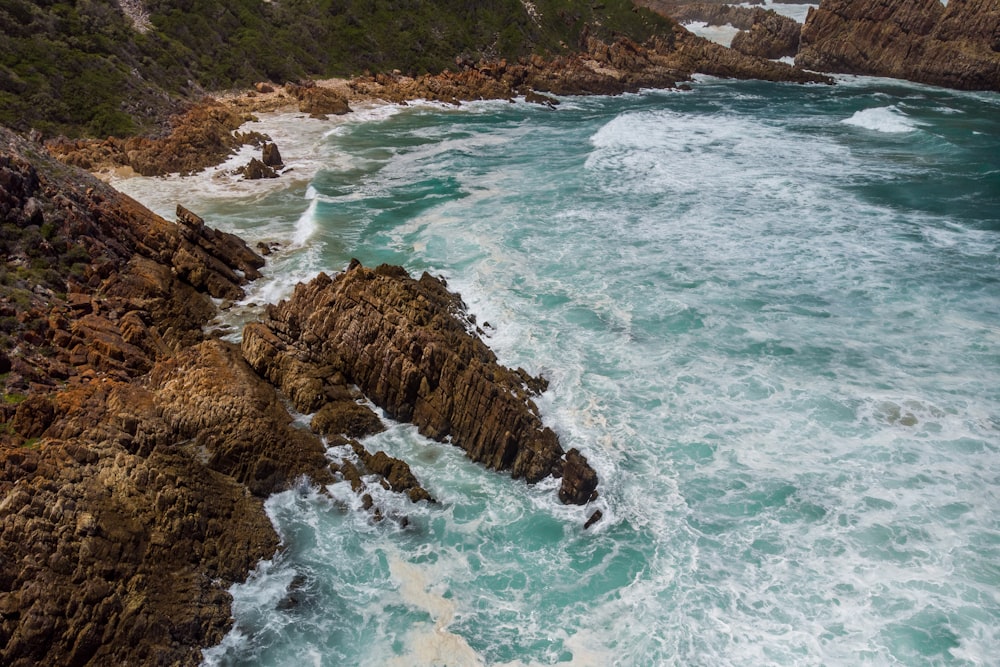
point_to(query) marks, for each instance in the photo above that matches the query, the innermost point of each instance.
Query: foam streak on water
(772, 324)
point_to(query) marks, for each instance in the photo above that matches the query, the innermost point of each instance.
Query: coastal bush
(80, 68)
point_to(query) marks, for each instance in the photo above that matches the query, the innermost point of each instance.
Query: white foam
(307, 224)
(796, 11)
(720, 34)
(882, 119)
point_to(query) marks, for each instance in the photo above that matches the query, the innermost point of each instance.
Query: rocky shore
(136, 450)
(207, 134)
(955, 45)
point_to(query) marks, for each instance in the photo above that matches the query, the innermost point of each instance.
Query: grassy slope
(78, 67)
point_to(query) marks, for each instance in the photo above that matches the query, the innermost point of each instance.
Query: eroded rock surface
(957, 45)
(135, 453)
(405, 343)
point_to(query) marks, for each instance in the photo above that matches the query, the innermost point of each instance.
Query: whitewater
(770, 318)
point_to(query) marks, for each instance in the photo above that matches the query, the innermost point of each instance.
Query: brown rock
(318, 100)
(957, 45)
(770, 35)
(255, 170)
(579, 481)
(201, 137)
(132, 474)
(270, 155)
(346, 418)
(400, 341)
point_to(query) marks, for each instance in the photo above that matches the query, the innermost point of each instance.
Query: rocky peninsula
(137, 450)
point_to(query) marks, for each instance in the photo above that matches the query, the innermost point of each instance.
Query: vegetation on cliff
(84, 67)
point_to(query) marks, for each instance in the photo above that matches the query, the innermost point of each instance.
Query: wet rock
(594, 518)
(135, 462)
(270, 156)
(256, 170)
(405, 344)
(579, 481)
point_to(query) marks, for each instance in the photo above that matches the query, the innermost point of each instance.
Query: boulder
(318, 100)
(347, 418)
(770, 35)
(255, 170)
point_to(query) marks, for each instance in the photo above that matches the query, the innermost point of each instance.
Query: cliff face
(957, 45)
(134, 453)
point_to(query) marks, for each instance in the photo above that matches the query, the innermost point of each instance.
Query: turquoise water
(770, 316)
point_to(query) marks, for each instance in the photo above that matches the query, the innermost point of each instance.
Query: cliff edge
(955, 45)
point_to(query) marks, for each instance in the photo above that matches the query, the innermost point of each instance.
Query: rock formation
(202, 137)
(763, 32)
(770, 35)
(404, 344)
(317, 100)
(598, 68)
(957, 45)
(136, 451)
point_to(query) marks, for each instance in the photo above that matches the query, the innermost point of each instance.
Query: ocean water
(770, 317)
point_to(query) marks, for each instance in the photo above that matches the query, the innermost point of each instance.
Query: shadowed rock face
(135, 454)
(957, 45)
(405, 343)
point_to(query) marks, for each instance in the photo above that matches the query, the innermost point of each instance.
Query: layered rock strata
(955, 45)
(403, 343)
(762, 32)
(135, 454)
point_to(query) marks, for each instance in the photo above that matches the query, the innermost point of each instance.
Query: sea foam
(882, 119)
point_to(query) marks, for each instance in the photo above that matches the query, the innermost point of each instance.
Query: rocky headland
(955, 45)
(136, 450)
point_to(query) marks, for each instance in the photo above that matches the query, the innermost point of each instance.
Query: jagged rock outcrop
(202, 137)
(714, 14)
(770, 35)
(405, 344)
(763, 32)
(135, 453)
(957, 45)
(599, 68)
(318, 100)
(696, 54)
(270, 156)
(256, 170)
